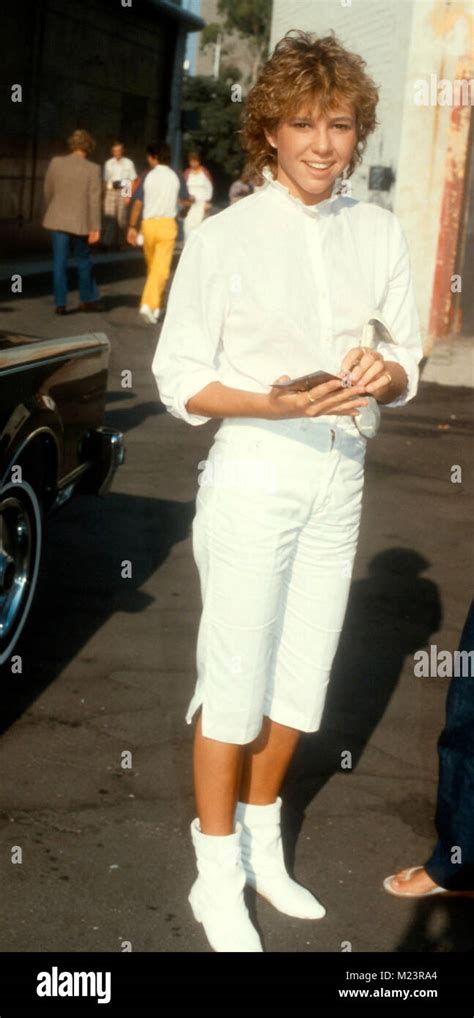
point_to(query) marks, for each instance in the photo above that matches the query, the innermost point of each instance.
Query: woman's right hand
(329, 398)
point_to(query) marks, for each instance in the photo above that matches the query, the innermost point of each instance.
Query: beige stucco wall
(440, 34)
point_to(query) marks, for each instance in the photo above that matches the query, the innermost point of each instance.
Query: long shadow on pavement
(40, 284)
(438, 924)
(391, 613)
(81, 583)
(126, 418)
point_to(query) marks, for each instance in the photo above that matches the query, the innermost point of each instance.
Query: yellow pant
(159, 237)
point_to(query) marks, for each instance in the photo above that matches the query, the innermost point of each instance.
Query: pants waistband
(294, 425)
(325, 432)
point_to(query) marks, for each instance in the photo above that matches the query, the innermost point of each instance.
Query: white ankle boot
(216, 897)
(264, 864)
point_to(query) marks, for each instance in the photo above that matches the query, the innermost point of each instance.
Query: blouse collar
(277, 187)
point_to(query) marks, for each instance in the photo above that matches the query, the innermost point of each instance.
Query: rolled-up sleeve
(186, 357)
(400, 313)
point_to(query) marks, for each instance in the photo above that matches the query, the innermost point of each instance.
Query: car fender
(30, 422)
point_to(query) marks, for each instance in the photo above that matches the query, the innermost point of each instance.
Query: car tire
(20, 555)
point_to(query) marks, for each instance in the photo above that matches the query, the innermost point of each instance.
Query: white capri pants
(274, 540)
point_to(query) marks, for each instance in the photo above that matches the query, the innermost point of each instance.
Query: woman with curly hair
(276, 286)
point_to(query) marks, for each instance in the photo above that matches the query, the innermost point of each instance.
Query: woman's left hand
(367, 367)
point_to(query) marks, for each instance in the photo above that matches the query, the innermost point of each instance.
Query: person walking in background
(240, 188)
(199, 183)
(183, 198)
(119, 173)
(157, 201)
(72, 194)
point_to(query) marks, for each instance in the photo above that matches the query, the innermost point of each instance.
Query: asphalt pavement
(109, 668)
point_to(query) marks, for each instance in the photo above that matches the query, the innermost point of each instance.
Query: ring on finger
(388, 375)
(311, 398)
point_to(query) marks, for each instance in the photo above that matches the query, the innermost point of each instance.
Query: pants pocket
(243, 460)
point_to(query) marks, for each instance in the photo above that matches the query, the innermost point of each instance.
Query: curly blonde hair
(301, 71)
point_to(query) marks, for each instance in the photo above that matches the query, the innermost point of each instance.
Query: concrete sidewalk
(451, 362)
(39, 265)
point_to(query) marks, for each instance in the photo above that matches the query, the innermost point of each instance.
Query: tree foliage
(218, 116)
(218, 123)
(244, 19)
(248, 17)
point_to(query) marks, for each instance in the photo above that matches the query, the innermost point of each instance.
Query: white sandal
(416, 894)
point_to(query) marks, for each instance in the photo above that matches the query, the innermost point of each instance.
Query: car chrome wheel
(20, 550)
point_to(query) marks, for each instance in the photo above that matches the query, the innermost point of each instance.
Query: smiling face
(313, 149)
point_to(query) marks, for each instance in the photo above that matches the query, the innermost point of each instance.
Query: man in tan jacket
(72, 190)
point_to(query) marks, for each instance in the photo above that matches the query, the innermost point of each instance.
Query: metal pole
(217, 56)
(174, 133)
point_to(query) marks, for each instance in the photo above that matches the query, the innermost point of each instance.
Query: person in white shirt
(240, 188)
(200, 188)
(274, 287)
(119, 172)
(157, 199)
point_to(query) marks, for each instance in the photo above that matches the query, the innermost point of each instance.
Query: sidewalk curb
(30, 268)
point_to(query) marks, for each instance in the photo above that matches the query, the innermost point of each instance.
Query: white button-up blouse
(271, 286)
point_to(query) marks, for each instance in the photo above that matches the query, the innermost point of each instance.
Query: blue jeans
(455, 803)
(87, 286)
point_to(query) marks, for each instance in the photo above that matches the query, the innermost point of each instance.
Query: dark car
(52, 445)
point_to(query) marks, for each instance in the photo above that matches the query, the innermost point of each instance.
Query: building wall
(84, 64)
(432, 166)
